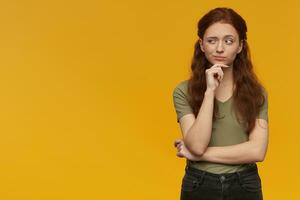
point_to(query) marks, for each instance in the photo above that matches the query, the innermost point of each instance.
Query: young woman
(223, 114)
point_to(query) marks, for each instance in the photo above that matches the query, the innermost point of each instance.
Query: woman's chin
(220, 62)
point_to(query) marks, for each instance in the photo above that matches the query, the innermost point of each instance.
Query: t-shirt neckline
(223, 102)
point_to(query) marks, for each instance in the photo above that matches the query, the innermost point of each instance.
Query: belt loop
(202, 176)
(239, 177)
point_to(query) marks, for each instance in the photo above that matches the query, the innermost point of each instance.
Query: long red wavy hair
(249, 94)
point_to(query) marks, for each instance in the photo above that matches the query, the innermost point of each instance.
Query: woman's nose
(220, 47)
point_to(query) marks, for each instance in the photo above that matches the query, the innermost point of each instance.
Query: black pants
(201, 185)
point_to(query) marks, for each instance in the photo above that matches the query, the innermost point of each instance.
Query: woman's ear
(240, 46)
(201, 44)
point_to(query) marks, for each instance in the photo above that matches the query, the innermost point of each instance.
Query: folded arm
(251, 151)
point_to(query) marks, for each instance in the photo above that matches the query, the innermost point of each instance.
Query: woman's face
(220, 43)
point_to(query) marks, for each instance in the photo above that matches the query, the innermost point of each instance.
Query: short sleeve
(263, 113)
(181, 104)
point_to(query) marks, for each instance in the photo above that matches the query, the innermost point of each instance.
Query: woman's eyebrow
(214, 37)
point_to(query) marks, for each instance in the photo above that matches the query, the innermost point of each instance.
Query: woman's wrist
(209, 92)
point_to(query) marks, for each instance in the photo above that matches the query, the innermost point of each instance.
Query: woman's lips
(219, 58)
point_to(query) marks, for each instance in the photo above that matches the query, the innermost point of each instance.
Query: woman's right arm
(197, 132)
(197, 137)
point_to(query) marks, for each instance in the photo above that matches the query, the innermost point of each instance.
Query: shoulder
(181, 88)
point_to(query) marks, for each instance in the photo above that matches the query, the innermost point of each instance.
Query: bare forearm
(246, 152)
(198, 136)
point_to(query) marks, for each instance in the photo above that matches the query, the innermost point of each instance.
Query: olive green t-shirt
(225, 130)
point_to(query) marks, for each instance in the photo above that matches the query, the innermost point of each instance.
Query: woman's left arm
(251, 151)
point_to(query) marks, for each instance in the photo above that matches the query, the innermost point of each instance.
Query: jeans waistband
(239, 174)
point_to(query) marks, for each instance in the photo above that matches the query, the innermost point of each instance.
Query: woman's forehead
(220, 30)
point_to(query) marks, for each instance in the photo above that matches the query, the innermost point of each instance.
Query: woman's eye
(229, 41)
(226, 41)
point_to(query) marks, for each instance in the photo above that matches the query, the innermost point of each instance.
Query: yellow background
(86, 95)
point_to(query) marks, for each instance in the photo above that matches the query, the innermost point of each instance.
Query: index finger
(221, 65)
(177, 141)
